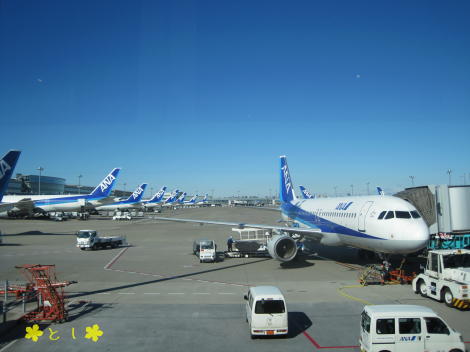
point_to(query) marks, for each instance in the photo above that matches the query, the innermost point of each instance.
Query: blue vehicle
(449, 241)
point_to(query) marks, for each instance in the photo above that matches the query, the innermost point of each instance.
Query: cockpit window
(390, 215)
(382, 214)
(415, 214)
(403, 214)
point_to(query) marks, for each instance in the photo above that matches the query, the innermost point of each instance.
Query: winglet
(7, 166)
(286, 193)
(105, 187)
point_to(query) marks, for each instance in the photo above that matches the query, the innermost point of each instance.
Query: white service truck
(90, 239)
(446, 277)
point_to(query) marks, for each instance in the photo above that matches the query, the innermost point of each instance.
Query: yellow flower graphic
(33, 333)
(93, 332)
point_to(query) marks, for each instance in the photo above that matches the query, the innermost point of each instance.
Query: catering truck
(446, 277)
(90, 239)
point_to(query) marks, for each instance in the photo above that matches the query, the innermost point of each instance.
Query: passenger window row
(399, 214)
(334, 214)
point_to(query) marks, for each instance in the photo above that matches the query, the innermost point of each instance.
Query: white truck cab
(90, 239)
(446, 277)
(406, 328)
(266, 311)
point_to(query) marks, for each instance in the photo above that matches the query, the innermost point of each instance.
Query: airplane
(46, 203)
(155, 200)
(381, 224)
(180, 199)
(192, 201)
(7, 166)
(203, 201)
(171, 198)
(306, 194)
(132, 202)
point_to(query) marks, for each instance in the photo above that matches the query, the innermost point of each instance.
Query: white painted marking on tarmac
(201, 293)
(126, 293)
(226, 293)
(151, 293)
(104, 293)
(175, 293)
(111, 262)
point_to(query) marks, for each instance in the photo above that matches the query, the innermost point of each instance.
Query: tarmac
(154, 293)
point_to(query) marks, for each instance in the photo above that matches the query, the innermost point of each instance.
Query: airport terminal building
(29, 184)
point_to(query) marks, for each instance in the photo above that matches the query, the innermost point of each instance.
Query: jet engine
(282, 248)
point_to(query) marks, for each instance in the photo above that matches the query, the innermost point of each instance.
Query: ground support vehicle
(250, 242)
(206, 250)
(446, 277)
(89, 239)
(406, 328)
(49, 292)
(449, 241)
(381, 274)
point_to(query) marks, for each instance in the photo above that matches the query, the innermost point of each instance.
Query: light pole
(40, 169)
(124, 184)
(449, 172)
(352, 190)
(336, 194)
(412, 181)
(79, 177)
(368, 183)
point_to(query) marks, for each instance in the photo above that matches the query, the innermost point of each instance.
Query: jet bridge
(445, 209)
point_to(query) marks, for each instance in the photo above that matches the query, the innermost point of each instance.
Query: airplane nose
(419, 236)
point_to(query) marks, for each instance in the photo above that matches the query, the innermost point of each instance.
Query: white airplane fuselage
(354, 221)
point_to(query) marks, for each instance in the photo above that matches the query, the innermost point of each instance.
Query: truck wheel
(448, 297)
(422, 288)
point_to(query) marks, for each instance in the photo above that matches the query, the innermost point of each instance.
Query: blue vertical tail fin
(286, 192)
(380, 191)
(193, 199)
(137, 195)
(181, 197)
(172, 196)
(7, 166)
(105, 187)
(158, 196)
(305, 193)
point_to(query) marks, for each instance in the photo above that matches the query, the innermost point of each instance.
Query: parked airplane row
(98, 199)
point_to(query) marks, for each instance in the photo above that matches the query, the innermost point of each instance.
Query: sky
(206, 95)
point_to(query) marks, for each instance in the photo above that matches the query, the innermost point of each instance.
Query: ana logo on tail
(4, 168)
(136, 193)
(287, 182)
(107, 182)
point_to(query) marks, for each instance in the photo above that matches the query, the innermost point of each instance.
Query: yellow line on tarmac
(344, 294)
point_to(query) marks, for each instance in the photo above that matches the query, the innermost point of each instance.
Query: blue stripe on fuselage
(311, 220)
(64, 200)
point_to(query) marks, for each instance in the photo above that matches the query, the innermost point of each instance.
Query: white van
(266, 311)
(403, 328)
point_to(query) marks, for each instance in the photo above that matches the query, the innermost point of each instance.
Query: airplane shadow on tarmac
(80, 294)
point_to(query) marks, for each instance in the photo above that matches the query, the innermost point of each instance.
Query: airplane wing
(103, 201)
(25, 205)
(315, 233)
